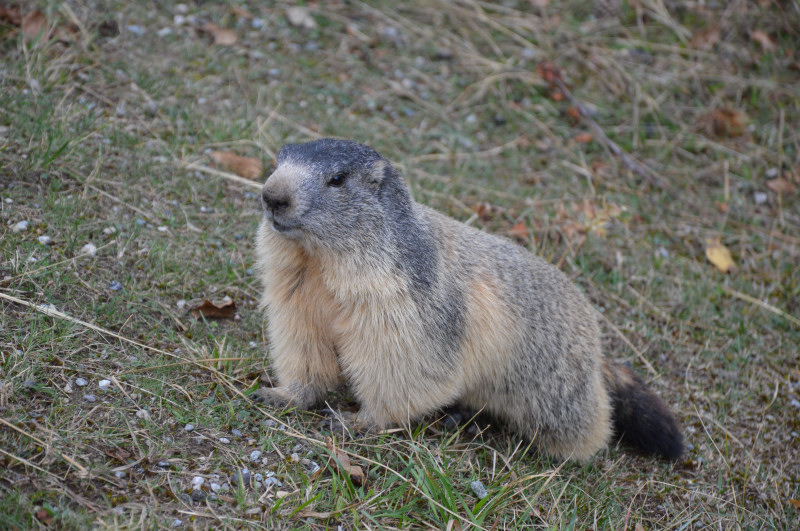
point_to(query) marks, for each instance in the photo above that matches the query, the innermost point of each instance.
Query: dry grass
(105, 128)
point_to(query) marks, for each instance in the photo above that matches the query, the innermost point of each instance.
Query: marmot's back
(418, 311)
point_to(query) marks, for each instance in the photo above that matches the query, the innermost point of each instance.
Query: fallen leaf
(781, 186)
(583, 137)
(11, 14)
(354, 471)
(484, 210)
(719, 255)
(795, 503)
(225, 310)
(240, 12)
(119, 454)
(34, 24)
(221, 36)
(246, 167)
(574, 114)
(706, 38)
(44, 516)
(727, 122)
(764, 40)
(520, 230)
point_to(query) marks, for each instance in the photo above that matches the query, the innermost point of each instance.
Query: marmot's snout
(276, 203)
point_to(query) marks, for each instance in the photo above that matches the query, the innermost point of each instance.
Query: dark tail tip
(641, 419)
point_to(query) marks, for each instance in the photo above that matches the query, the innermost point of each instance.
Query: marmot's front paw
(273, 396)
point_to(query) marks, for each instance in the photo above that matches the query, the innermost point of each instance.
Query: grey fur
(417, 311)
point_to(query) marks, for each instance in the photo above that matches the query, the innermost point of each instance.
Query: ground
(653, 155)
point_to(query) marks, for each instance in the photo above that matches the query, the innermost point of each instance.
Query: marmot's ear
(379, 172)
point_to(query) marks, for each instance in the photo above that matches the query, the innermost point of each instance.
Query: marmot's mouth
(281, 227)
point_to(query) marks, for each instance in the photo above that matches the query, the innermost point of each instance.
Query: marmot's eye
(337, 180)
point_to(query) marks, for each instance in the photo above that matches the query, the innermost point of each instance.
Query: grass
(99, 127)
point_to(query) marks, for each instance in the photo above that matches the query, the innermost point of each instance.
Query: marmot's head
(330, 192)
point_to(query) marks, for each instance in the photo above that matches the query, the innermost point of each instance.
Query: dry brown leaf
(11, 14)
(354, 471)
(727, 122)
(520, 230)
(719, 255)
(781, 186)
(765, 41)
(706, 38)
(583, 138)
(240, 12)
(795, 503)
(34, 24)
(119, 454)
(246, 167)
(221, 36)
(225, 310)
(44, 516)
(484, 210)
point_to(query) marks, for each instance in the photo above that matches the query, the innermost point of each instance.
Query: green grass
(96, 132)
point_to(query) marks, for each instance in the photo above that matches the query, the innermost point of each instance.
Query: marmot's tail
(641, 419)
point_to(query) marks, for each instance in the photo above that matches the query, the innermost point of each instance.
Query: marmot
(416, 312)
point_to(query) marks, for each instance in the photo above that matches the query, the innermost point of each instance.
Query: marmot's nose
(274, 202)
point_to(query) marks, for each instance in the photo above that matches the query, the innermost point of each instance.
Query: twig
(764, 305)
(230, 176)
(649, 175)
(82, 469)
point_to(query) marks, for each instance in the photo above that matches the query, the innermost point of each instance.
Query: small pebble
(161, 228)
(80, 382)
(794, 403)
(313, 468)
(104, 385)
(224, 440)
(760, 198)
(108, 231)
(198, 496)
(45, 240)
(236, 433)
(181, 304)
(259, 477)
(215, 487)
(163, 32)
(142, 414)
(164, 464)
(135, 29)
(479, 490)
(189, 427)
(141, 222)
(255, 455)
(772, 173)
(119, 474)
(197, 482)
(269, 423)
(29, 384)
(295, 458)
(114, 285)
(272, 482)
(242, 476)
(177, 523)
(90, 398)
(21, 226)
(89, 249)
(257, 23)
